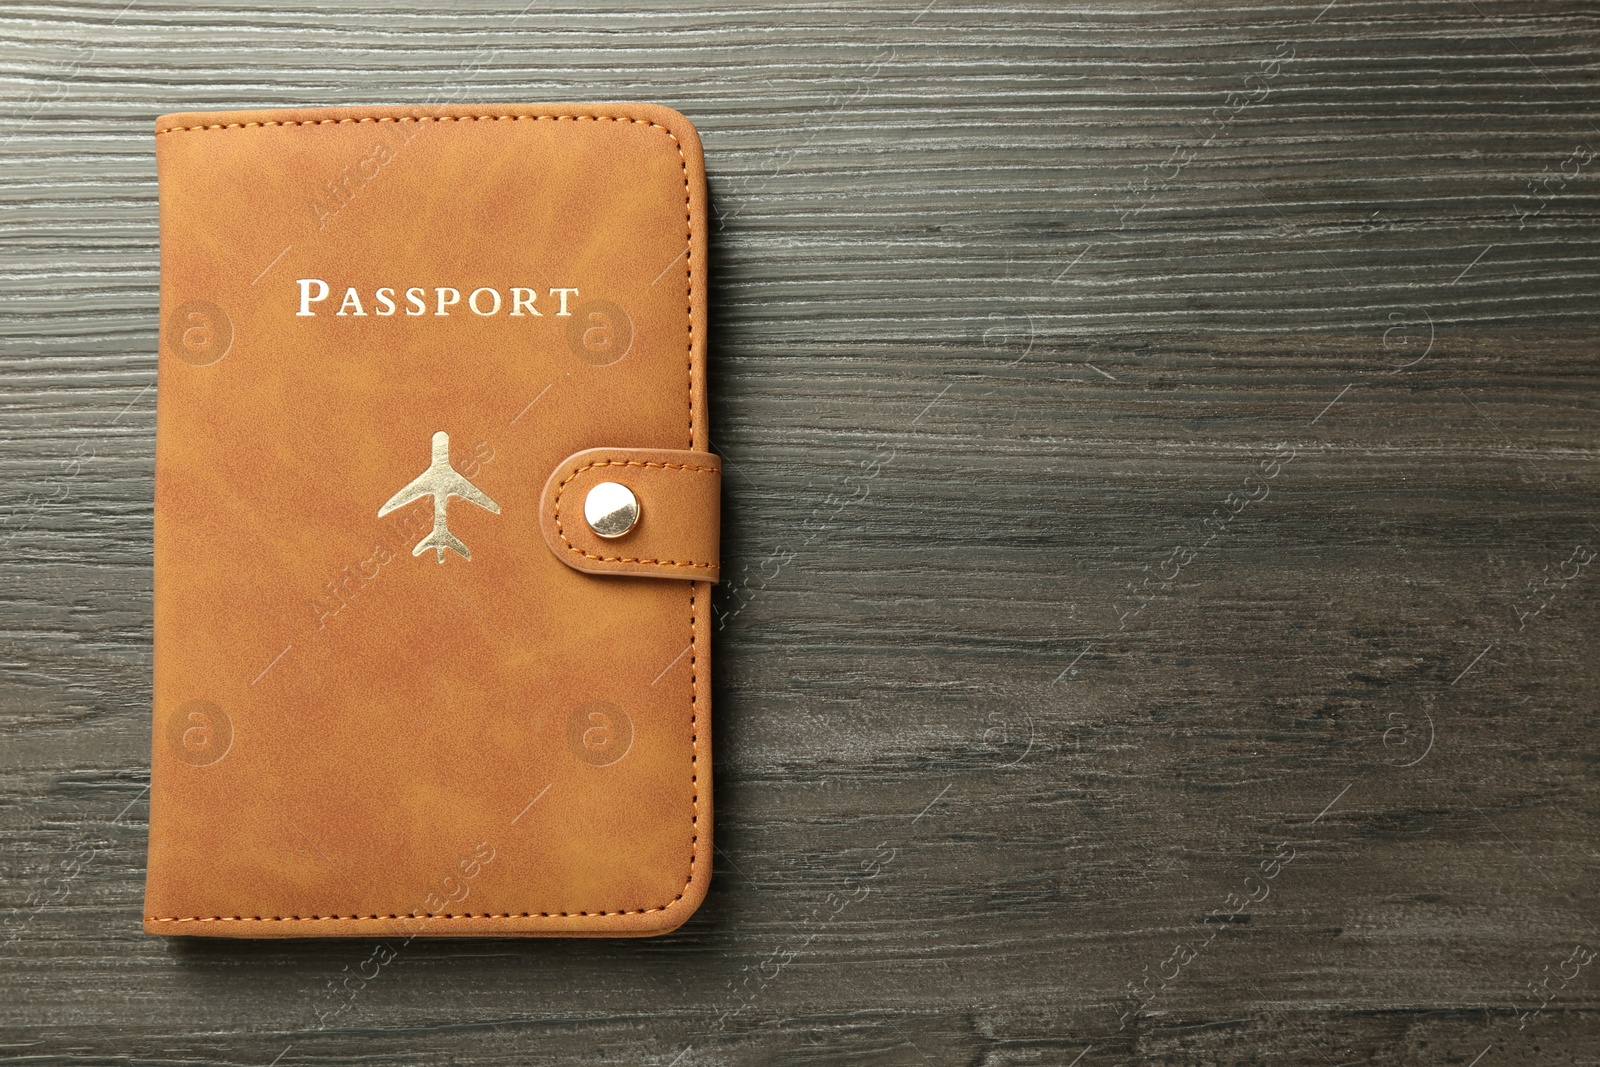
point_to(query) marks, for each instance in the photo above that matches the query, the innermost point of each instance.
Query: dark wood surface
(1162, 447)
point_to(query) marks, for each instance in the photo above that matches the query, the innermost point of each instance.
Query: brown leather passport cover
(402, 686)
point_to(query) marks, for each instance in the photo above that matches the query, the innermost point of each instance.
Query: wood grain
(1160, 442)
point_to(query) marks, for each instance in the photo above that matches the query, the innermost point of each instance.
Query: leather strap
(680, 512)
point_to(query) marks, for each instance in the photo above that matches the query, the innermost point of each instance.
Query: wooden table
(1160, 611)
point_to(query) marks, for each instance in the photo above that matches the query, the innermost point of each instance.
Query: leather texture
(351, 739)
(680, 504)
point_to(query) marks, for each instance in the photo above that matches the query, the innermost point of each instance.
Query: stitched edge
(694, 696)
(412, 118)
(413, 915)
(623, 463)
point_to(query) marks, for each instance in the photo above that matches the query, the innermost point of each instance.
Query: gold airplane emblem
(440, 481)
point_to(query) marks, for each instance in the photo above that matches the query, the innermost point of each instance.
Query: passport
(436, 524)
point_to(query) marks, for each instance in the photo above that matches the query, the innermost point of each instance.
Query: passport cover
(401, 686)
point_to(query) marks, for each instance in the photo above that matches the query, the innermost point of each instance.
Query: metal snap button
(611, 509)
